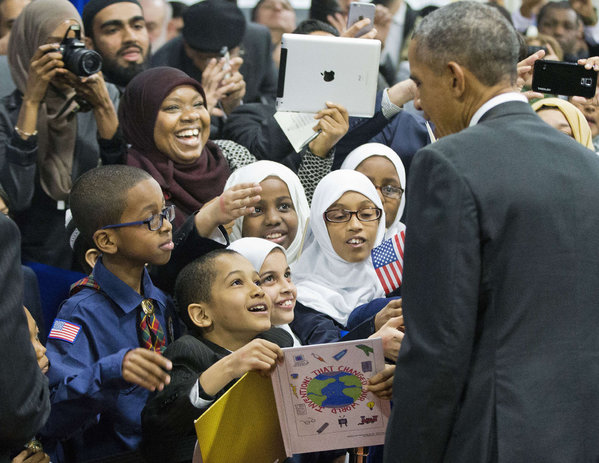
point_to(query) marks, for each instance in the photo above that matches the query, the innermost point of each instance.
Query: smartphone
(563, 78)
(358, 11)
(224, 52)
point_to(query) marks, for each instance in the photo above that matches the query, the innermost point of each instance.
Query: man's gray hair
(473, 35)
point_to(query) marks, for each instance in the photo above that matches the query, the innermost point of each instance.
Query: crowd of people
(203, 243)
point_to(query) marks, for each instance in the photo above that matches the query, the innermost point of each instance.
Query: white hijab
(256, 250)
(258, 171)
(357, 156)
(326, 282)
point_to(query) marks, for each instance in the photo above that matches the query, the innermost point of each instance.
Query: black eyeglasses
(153, 222)
(367, 214)
(391, 191)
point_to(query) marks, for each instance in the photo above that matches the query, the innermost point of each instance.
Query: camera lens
(79, 60)
(90, 62)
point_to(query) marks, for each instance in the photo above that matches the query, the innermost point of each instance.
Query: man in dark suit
(25, 401)
(500, 362)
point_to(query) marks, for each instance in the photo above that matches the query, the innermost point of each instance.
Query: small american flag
(64, 330)
(387, 259)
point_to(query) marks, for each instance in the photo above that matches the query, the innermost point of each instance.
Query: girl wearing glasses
(334, 274)
(384, 169)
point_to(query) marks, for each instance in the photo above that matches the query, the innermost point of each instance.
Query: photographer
(54, 127)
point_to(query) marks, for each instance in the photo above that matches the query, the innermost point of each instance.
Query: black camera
(78, 59)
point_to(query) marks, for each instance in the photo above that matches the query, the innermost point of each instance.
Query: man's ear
(105, 241)
(199, 316)
(458, 76)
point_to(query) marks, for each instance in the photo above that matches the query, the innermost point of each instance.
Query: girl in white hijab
(283, 211)
(385, 170)
(334, 273)
(270, 261)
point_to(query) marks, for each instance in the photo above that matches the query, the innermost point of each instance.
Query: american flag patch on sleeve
(64, 330)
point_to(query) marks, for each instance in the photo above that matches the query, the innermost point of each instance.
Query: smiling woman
(164, 118)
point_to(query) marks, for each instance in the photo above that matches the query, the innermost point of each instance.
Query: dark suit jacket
(25, 399)
(167, 419)
(500, 362)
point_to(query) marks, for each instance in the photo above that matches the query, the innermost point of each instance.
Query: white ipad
(316, 69)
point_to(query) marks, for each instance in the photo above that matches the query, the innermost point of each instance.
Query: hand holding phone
(359, 11)
(563, 78)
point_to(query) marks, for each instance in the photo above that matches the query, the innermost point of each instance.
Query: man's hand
(333, 121)
(338, 21)
(585, 10)
(146, 368)
(391, 336)
(529, 8)
(589, 63)
(525, 69)
(402, 92)
(356, 27)
(381, 384)
(222, 85)
(29, 456)
(382, 22)
(232, 87)
(391, 310)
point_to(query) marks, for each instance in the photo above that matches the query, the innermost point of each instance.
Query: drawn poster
(321, 397)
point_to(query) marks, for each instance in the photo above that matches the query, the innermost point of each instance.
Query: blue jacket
(95, 412)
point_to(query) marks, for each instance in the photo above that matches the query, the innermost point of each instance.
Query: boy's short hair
(194, 283)
(99, 197)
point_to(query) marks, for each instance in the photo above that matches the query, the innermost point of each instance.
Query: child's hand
(257, 355)
(391, 310)
(232, 203)
(28, 456)
(146, 368)
(391, 336)
(381, 384)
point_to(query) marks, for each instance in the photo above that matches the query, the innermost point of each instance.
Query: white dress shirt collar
(495, 101)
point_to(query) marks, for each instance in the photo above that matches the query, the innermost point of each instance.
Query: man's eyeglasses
(367, 214)
(153, 222)
(391, 191)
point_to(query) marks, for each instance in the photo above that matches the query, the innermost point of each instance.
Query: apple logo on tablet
(328, 76)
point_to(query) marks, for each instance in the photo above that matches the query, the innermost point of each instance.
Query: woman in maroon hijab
(164, 119)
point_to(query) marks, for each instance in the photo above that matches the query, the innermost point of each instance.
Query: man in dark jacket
(500, 361)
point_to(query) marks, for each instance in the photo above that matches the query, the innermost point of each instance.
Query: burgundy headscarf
(187, 186)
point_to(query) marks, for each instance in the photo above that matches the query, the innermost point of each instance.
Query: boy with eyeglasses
(106, 344)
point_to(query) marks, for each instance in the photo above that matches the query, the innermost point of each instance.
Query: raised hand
(146, 368)
(333, 122)
(232, 203)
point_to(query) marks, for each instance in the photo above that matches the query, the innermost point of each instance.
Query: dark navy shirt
(94, 409)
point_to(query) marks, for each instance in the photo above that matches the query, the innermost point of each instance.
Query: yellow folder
(243, 425)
